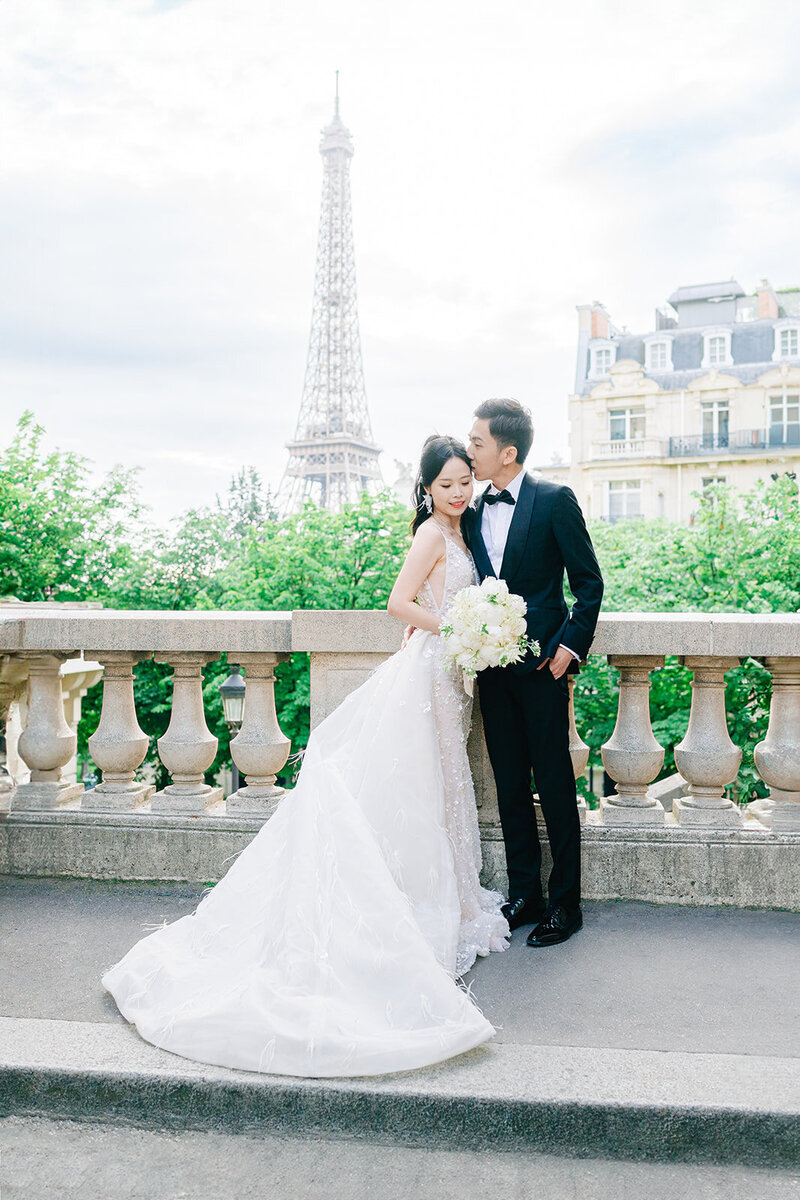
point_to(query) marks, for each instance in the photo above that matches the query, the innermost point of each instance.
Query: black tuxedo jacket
(547, 536)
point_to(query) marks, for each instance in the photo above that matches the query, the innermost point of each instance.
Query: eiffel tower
(332, 458)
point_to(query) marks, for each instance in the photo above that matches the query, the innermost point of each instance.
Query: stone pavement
(656, 1034)
(64, 1160)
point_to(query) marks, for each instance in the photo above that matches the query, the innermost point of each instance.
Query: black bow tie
(503, 497)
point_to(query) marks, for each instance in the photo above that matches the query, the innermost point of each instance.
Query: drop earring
(428, 502)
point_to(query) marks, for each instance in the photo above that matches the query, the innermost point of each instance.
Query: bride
(334, 944)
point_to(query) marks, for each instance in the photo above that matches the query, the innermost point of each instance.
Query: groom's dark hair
(509, 424)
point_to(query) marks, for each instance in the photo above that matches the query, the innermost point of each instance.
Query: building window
(784, 419)
(625, 424)
(787, 342)
(658, 355)
(624, 499)
(715, 416)
(717, 348)
(602, 355)
(711, 481)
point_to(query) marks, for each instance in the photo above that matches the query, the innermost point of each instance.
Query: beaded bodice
(459, 572)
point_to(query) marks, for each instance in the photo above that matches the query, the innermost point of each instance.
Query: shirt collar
(514, 488)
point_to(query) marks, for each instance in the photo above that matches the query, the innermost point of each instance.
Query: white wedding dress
(333, 945)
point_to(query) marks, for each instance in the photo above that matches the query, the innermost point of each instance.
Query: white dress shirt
(495, 524)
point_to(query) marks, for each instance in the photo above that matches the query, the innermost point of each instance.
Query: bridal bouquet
(485, 627)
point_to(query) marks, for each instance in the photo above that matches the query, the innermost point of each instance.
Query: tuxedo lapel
(518, 531)
(478, 546)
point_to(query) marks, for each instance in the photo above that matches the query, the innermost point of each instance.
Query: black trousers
(526, 722)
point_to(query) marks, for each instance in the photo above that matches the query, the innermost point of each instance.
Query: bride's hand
(407, 632)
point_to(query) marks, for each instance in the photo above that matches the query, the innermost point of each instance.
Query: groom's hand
(407, 632)
(558, 663)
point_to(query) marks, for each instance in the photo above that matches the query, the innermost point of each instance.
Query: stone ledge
(214, 821)
(162, 632)
(737, 635)
(748, 868)
(348, 632)
(633, 1104)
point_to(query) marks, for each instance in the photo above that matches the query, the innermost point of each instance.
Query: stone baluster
(259, 749)
(15, 723)
(13, 683)
(632, 756)
(778, 756)
(77, 676)
(578, 750)
(188, 747)
(47, 743)
(707, 758)
(118, 746)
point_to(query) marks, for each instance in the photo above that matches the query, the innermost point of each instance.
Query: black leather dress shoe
(559, 925)
(522, 912)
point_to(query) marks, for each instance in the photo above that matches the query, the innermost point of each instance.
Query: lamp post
(232, 693)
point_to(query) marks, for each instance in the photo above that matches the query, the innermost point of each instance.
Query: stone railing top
(161, 632)
(724, 634)
(372, 631)
(354, 631)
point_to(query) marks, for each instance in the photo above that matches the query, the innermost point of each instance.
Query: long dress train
(333, 944)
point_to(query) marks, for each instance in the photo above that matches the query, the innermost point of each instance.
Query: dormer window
(658, 354)
(601, 356)
(787, 342)
(717, 348)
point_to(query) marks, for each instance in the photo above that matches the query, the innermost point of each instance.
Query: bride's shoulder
(428, 544)
(429, 534)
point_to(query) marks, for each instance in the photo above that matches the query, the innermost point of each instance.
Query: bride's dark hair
(437, 451)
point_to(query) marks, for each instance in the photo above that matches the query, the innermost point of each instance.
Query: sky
(160, 184)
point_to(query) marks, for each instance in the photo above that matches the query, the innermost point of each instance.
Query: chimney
(593, 320)
(585, 319)
(599, 320)
(767, 302)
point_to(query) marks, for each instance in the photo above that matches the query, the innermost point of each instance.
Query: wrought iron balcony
(757, 440)
(742, 440)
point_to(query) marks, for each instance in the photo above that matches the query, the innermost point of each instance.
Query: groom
(527, 531)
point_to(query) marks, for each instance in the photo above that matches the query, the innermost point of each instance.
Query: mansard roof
(728, 290)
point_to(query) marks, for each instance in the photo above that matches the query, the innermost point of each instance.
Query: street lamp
(232, 693)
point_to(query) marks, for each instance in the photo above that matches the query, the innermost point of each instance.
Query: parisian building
(711, 394)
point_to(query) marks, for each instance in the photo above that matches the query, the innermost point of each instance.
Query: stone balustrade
(42, 641)
(193, 829)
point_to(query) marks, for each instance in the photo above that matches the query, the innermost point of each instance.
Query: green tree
(62, 536)
(65, 535)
